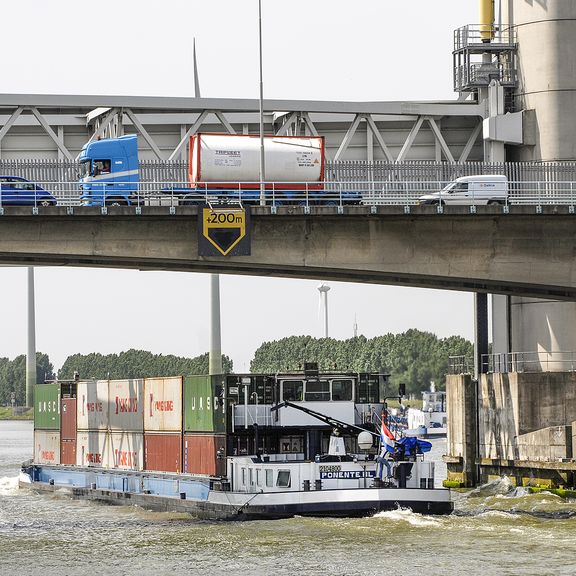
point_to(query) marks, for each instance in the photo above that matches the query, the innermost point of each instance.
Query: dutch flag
(387, 438)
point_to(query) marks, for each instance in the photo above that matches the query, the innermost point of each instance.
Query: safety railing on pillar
(557, 361)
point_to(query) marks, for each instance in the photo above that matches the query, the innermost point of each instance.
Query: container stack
(126, 424)
(204, 425)
(163, 424)
(171, 424)
(110, 423)
(47, 423)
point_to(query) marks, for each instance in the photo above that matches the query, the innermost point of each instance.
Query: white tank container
(163, 404)
(126, 405)
(293, 162)
(46, 447)
(91, 449)
(125, 451)
(92, 405)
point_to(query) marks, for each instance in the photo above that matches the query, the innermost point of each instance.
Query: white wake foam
(8, 485)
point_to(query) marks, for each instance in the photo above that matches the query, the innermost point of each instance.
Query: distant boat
(431, 421)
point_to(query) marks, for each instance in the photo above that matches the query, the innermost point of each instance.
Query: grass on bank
(19, 413)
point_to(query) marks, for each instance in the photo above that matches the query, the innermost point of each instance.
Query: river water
(495, 530)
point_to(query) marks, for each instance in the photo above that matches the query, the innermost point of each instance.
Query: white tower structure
(324, 289)
(31, 349)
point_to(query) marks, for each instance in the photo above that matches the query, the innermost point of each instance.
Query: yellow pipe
(486, 20)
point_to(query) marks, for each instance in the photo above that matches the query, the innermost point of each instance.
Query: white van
(468, 190)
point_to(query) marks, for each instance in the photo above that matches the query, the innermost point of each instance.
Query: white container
(126, 411)
(91, 449)
(92, 405)
(163, 404)
(46, 447)
(125, 451)
(221, 158)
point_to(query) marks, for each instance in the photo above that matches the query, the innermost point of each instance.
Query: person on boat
(383, 461)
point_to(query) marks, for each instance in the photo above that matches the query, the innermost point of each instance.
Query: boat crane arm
(337, 425)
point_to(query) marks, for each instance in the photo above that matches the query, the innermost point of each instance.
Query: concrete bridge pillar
(546, 33)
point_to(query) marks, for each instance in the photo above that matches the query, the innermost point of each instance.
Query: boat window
(368, 390)
(342, 390)
(269, 478)
(283, 479)
(243, 476)
(251, 472)
(292, 390)
(317, 391)
(258, 477)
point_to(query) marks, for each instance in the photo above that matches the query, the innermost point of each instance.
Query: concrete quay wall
(525, 425)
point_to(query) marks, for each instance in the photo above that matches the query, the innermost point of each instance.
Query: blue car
(16, 191)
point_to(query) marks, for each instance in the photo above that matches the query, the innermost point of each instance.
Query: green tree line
(13, 377)
(413, 357)
(130, 364)
(135, 364)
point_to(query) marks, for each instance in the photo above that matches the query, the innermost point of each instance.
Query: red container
(205, 454)
(68, 419)
(163, 452)
(68, 452)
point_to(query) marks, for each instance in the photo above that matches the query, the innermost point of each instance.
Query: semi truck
(220, 166)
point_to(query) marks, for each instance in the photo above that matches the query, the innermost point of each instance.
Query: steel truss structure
(55, 127)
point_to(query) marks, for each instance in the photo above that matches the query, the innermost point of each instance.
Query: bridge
(517, 252)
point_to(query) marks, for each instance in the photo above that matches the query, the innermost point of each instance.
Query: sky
(368, 50)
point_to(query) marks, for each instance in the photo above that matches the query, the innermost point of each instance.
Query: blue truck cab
(109, 172)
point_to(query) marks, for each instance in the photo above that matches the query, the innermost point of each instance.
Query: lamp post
(262, 162)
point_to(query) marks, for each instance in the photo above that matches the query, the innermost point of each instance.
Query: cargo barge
(229, 447)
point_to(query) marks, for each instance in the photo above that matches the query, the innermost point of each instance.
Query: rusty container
(163, 452)
(68, 452)
(68, 419)
(205, 454)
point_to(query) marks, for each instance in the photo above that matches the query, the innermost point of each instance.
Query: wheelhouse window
(342, 390)
(293, 390)
(269, 478)
(283, 479)
(317, 391)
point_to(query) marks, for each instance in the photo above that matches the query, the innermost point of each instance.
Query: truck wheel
(494, 203)
(116, 202)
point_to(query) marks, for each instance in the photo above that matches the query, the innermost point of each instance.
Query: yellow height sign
(226, 230)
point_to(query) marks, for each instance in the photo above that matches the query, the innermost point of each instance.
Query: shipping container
(163, 452)
(126, 405)
(47, 406)
(68, 419)
(204, 404)
(92, 406)
(91, 449)
(205, 454)
(292, 162)
(68, 452)
(163, 404)
(124, 451)
(46, 447)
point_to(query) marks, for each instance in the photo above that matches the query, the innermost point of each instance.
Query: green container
(47, 407)
(204, 404)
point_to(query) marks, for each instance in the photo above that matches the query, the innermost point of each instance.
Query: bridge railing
(165, 192)
(557, 361)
